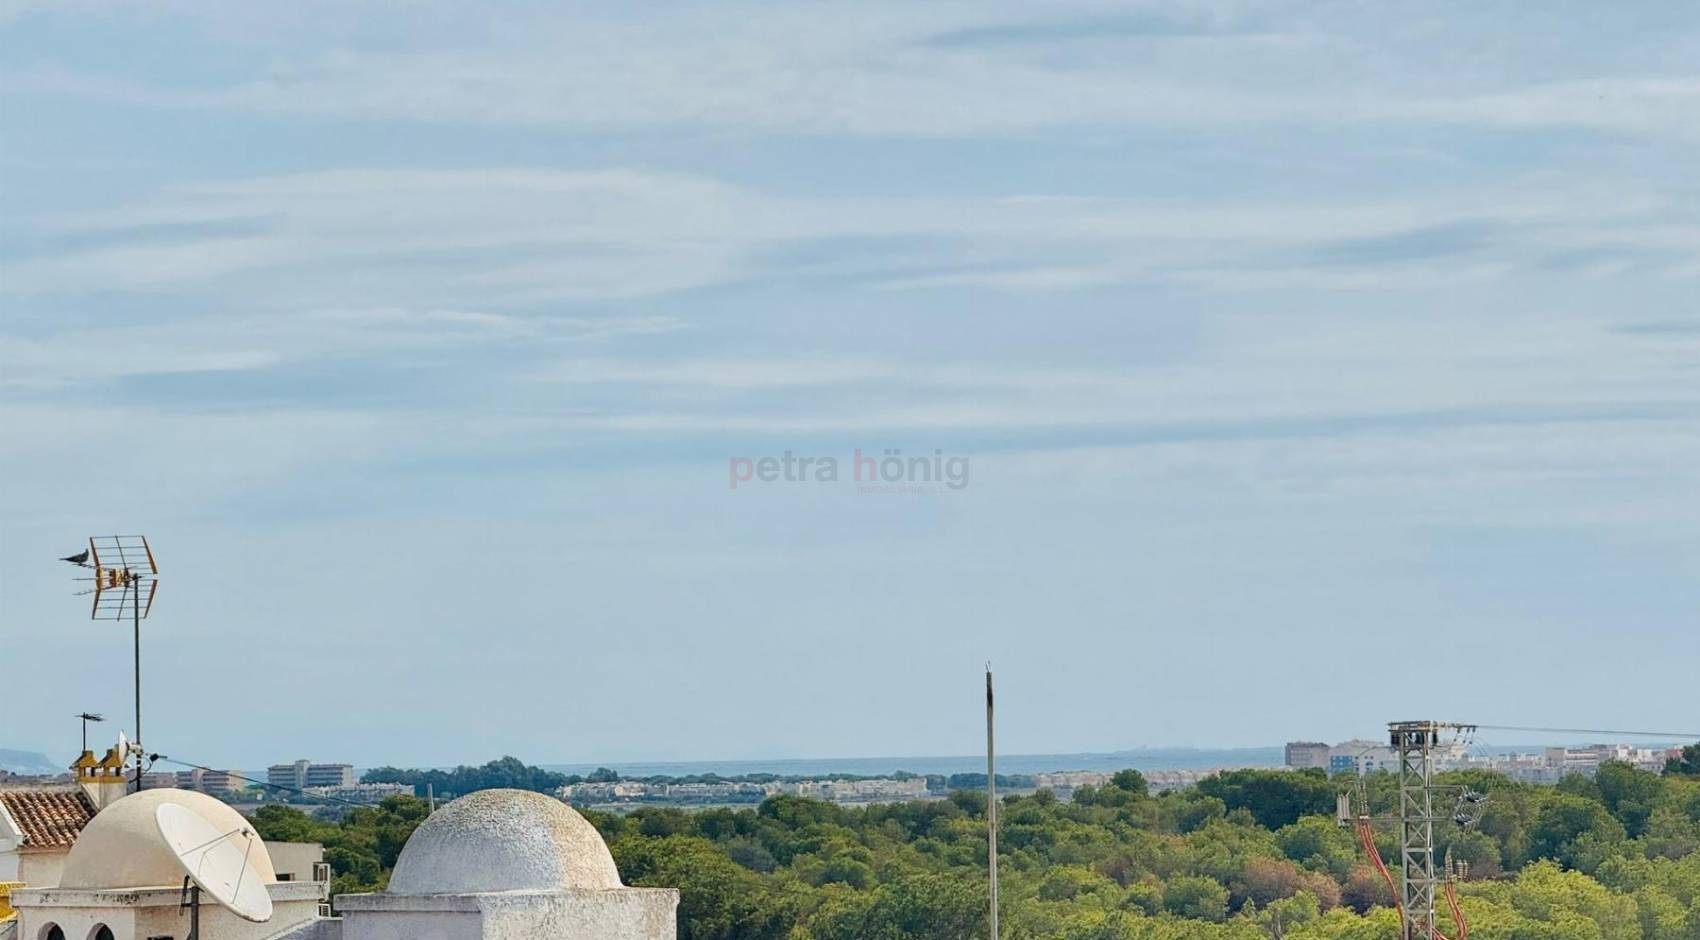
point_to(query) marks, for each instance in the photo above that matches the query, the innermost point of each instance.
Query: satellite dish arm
(191, 899)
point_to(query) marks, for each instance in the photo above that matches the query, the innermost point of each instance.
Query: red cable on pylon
(1457, 912)
(1366, 837)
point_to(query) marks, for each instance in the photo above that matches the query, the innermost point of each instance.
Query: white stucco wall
(79, 922)
(218, 923)
(41, 869)
(412, 925)
(325, 928)
(136, 914)
(613, 914)
(10, 841)
(37, 869)
(622, 914)
(295, 858)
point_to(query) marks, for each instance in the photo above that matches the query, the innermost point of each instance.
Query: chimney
(84, 766)
(103, 781)
(86, 770)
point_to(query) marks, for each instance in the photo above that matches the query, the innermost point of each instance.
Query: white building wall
(11, 838)
(140, 913)
(41, 869)
(78, 922)
(615, 914)
(34, 868)
(412, 925)
(217, 923)
(295, 859)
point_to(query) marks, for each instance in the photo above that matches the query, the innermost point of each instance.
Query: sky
(1297, 367)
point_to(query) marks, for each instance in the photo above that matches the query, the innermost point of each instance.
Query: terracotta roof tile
(48, 818)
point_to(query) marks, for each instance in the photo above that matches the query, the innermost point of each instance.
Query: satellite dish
(123, 744)
(217, 861)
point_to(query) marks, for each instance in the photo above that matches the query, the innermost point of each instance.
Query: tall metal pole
(136, 591)
(992, 798)
(1414, 741)
(131, 552)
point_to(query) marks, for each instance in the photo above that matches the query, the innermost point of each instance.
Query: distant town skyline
(294, 774)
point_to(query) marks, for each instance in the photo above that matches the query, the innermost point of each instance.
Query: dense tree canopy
(1688, 764)
(1246, 855)
(508, 772)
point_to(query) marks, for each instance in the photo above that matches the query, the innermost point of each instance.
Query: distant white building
(1552, 764)
(1066, 782)
(881, 789)
(1163, 780)
(875, 790)
(211, 781)
(302, 774)
(359, 792)
(1362, 757)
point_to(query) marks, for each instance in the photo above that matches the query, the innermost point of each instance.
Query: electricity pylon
(1415, 742)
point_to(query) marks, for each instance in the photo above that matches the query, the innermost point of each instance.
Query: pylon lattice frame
(1414, 742)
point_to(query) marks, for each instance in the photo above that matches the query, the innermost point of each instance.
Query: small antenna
(88, 717)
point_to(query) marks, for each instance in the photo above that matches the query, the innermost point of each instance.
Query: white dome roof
(503, 840)
(121, 846)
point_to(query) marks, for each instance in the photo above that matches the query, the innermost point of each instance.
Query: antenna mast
(125, 580)
(88, 717)
(992, 798)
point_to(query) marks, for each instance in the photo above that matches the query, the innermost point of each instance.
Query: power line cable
(1665, 735)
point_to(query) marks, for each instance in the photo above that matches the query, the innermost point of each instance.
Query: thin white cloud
(417, 239)
(368, 263)
(238, 343)
(1327, 373)
(791, 372)
(878, 70)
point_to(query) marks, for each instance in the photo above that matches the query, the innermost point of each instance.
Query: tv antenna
(88, 717)
(124, 582)
(214, 862)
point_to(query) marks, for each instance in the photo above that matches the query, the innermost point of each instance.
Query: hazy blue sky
(1286, 341)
